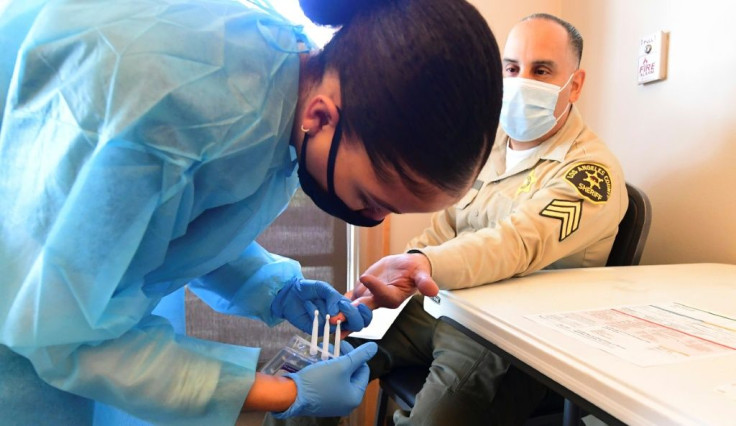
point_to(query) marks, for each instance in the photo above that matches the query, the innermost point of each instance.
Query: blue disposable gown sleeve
(247, 286)
(106, 210)
(82, 315)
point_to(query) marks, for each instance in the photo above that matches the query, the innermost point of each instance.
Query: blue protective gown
(143, 146)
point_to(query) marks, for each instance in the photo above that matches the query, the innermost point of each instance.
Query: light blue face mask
(528, 110)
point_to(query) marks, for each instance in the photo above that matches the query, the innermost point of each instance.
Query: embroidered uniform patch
(568, 212)
(591, 180)
(529, 180)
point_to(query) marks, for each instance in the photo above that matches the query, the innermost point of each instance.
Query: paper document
(649, 334)
(382, 320)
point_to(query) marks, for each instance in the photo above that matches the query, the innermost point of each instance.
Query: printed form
(649, 334)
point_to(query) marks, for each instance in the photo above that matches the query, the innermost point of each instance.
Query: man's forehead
(537, 41)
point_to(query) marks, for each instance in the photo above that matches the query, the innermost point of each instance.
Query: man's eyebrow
(546, 63)
(541, 62)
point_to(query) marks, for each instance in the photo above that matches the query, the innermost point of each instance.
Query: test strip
(326, 338)
(337, 339)
(315, 332)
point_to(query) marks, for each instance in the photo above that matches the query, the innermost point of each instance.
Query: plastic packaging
(293, 357)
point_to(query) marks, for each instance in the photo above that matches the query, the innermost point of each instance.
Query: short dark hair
(420, 81)
(576, 39)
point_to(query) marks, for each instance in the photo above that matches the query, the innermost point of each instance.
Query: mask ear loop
(302, 157)
(569, 104)
(333, 154)
(568, 82)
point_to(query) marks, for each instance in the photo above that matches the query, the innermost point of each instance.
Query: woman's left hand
(298, 299)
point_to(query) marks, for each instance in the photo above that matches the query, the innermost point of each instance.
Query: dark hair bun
(332, 12)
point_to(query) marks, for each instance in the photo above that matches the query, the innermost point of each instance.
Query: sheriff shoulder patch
(567, 212)
(591, 180)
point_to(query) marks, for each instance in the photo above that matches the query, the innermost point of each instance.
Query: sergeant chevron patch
(568, 212)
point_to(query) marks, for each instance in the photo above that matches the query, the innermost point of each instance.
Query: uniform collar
(555, 149)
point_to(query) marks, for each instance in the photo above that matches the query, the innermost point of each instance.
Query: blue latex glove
(299, 298)
(333, 387)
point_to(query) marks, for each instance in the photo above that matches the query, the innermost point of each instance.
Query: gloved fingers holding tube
(333, 387)
(299, 298)
(360, 314)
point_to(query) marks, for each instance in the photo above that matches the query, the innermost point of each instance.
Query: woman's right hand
(333, 387)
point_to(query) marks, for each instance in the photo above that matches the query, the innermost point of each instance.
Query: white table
(680, 393)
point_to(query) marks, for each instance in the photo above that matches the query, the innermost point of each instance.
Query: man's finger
(359, 290)
(383, 295)
(426, 285)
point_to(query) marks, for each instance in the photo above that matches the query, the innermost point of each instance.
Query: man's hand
(391, 280)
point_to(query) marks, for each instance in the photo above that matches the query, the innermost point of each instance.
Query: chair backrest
(632, 231)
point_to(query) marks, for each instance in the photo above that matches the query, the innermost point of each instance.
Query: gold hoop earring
(303, 129)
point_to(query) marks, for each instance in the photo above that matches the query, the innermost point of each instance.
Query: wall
(676, 139)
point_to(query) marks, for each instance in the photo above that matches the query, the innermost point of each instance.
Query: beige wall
(676, 139)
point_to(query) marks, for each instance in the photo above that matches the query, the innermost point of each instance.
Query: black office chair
(632, 231)
(403, 384)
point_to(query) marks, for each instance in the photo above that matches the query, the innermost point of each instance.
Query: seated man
(550, 196)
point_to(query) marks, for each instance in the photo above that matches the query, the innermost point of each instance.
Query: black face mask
(328, 200)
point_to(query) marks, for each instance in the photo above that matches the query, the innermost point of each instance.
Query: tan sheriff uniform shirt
(559, 208)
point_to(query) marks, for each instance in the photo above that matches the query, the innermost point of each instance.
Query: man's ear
(577, 85)
(320, 112)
